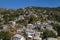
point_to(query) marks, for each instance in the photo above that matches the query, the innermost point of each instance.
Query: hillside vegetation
(31, 15)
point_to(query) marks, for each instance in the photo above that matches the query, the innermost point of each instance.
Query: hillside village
(31, 23)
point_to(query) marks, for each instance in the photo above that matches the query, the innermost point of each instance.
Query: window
(15, 38)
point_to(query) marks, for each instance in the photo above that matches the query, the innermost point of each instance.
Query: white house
(20, 28)
(45, 23)
(49, 21)
(55, 32)
(42, 27)
(12, 22)
(21, 17)
(18, 37)
(30, 33)
(37, 36)
(52, 39)
(3, 27)
(1, 16)
(30, 26)
(38, 24)
(49, 27)
(45, 11)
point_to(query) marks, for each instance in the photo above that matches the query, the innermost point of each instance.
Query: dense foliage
(4, 35)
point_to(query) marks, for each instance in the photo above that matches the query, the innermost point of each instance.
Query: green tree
(57, 28)
(4, 35)
(48, 33)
